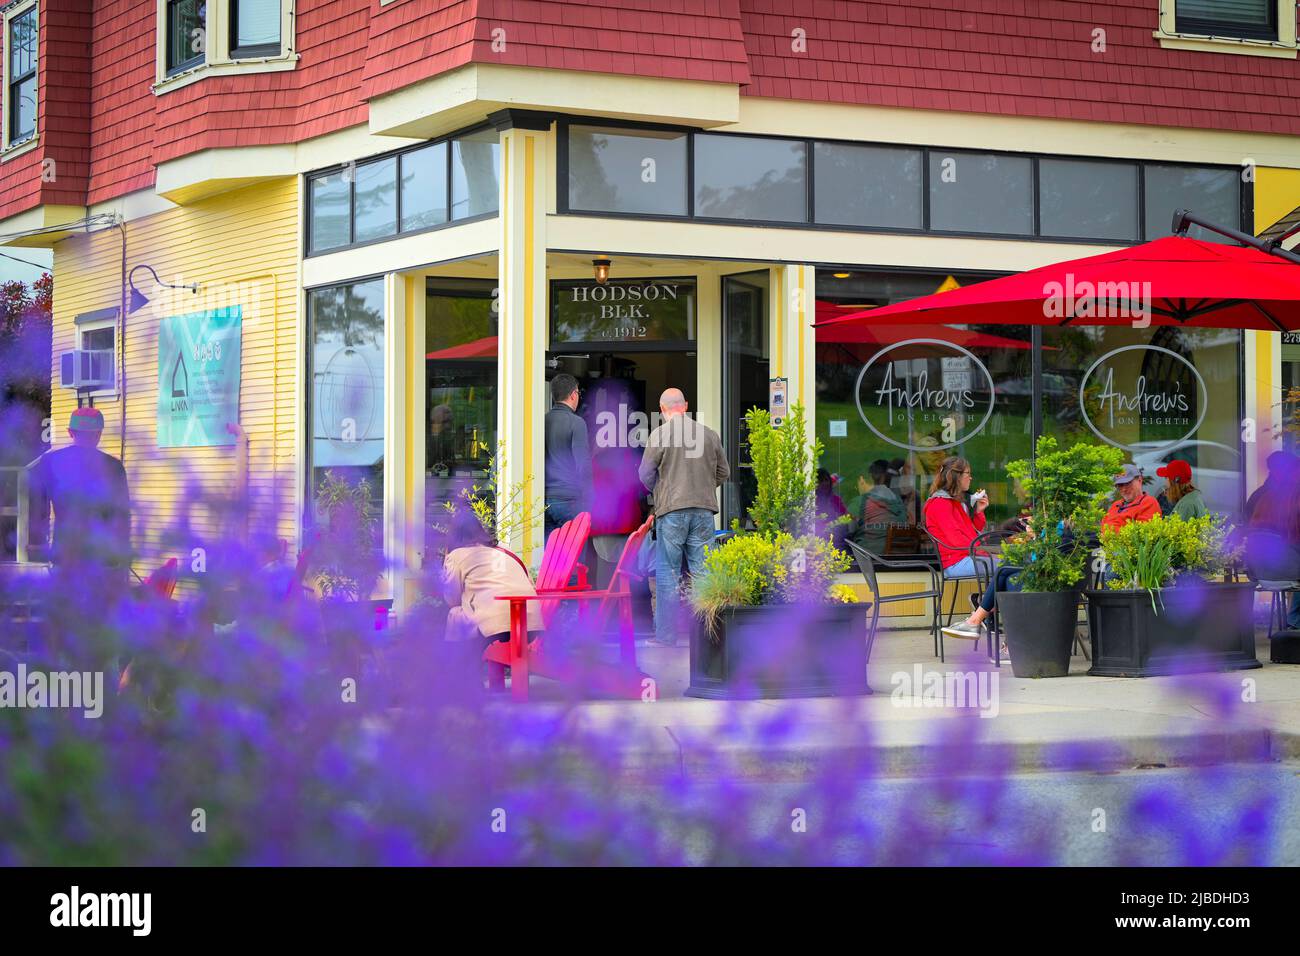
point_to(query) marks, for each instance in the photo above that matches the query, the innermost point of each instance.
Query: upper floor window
(186, 34)
(411, 190)
(626, 171)
(1239, 19)
(254, 28)
(200, 37)
(20, 75)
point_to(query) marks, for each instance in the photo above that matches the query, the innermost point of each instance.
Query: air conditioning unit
(84, 369)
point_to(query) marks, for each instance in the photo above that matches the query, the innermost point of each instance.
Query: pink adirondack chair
(559, 559)
(624, 678)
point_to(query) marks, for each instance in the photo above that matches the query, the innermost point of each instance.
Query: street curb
(811, 761)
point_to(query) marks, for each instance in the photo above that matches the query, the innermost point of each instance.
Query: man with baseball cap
(88, 491)
(1133, 504)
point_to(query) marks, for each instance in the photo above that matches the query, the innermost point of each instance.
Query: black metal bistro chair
(985, 570)
(944, 576)
(1270, 563)
(868, 562)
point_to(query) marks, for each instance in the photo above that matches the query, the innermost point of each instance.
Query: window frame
(8, 141)
(1246, 205)
(1199, 26)
(1188, 35)
(95, 322)
(310, 177)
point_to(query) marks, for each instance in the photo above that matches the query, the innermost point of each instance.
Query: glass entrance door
(745, 372)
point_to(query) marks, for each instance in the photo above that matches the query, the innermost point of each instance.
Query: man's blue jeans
(683, 533)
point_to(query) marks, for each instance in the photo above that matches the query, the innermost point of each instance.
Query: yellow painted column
(522, 339)
(793, 342)
(395, 420)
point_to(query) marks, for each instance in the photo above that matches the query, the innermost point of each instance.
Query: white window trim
(1284, 46)
(97, 324)
(217, 61)
(9, 150)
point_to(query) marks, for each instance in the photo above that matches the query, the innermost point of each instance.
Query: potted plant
(772, 620)
(1168, 606)
(1067, 489)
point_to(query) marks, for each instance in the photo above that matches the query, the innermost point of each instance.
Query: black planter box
(1204, 627)
(1040, 628)
(782, 651)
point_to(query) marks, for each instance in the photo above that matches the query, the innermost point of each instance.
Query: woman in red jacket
(954, 526)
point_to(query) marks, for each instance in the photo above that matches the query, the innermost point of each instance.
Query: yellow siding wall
(242, 247)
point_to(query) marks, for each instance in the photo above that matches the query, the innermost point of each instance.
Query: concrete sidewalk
(1075, 722)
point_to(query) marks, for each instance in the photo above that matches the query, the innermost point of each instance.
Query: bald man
(683, 465)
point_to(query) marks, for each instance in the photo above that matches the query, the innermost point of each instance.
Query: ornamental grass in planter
(1067, 488)
(1168, 606)
(771, 621)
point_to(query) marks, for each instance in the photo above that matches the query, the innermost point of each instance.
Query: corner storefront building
(395, 241)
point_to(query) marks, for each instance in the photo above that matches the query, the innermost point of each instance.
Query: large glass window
(186, 28)
(424, 187)
(346, 397)
(981, 192)
(1149, 391)
(254, 28)
(746, 371)
(475, 174)
(374, 203)
(894, 401)
(747, 177)
(624, 170)
(460, 369)
(1083, 199)
(22, 46)
(1213, 194)
(868, 185)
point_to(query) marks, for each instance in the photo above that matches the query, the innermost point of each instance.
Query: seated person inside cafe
(1133, 504)
(830, 508)
(879, 508)
(474, 573)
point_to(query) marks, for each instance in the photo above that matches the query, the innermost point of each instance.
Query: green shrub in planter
(1067, 489)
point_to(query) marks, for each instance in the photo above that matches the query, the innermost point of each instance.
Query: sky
(12, 268)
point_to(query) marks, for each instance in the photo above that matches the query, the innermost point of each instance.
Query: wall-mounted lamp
(601, 267)
(138, 299)
(840, 275)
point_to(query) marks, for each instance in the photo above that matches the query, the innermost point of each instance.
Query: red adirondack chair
(559, 560)
(623, 678)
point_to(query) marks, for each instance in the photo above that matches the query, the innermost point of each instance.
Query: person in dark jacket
(92, 505)
(568, 455)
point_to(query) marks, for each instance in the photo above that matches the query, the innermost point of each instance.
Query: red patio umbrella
(480, 348)
(1173, 281)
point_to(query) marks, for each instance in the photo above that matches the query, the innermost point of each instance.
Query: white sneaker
(965, 630)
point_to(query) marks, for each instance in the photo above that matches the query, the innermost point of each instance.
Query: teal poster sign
(198, 378)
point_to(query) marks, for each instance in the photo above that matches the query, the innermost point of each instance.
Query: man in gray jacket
(683, 465)
(568, 456)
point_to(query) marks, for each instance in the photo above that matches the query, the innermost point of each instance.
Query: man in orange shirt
(1133, 504)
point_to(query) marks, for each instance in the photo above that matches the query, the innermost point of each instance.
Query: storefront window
(894, 401)
(749, 177)
(1211, 193)
(1084, 199)
(346, 397)
(1149, 392)
(623, 170)
(868, 186)
(460, 369)
(1290, 383)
